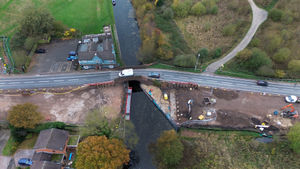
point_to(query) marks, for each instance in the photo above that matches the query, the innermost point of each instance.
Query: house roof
(54, 139)
(45, 165)
(41, 156)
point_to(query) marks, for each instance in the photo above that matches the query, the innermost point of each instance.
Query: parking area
(55, 58)
(23, 154)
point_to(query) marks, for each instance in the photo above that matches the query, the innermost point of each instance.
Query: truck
(126, 73)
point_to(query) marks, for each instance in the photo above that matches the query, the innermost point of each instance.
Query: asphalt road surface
(60, 80)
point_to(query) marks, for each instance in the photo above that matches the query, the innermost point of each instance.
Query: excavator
(289, 113)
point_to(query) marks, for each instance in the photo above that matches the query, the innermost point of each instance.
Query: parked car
(154, 75)
(71, 58)
(40, 50)
(262, 83)
(25, 162)
(291, 99)
(114, 2)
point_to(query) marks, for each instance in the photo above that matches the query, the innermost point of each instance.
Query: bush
(276, 15)
(168, 13)
(58, 29)
(255, 42)
(169, 149)
(258, 59)
(265, 71)
(294, 137)
(48, 125)
(294, 67)
(29, 43)
(198, 9)
(282, 55)
(229, 30)
(244, 55)
(210, 5)
(274, 42)
(217, 53)
(181, 9)
(185, 60)
(204, 53)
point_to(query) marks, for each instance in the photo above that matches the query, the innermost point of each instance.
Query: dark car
(40, 50)
(154, 75)
(262, 83)
(25, 162)
(114, 2)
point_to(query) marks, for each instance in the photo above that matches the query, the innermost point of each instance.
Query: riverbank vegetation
(174, 30)
(231, 149)
(274, 51)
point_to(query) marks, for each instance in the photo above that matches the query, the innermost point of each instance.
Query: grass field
(234, 149)
(88, 16)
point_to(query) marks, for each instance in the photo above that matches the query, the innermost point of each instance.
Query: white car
(291, 99)
(126, 73)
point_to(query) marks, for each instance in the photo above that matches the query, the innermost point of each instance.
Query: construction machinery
(209, 101)
(289, 113)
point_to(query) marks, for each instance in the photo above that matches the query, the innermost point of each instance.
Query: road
(258, 17)
(60, 80)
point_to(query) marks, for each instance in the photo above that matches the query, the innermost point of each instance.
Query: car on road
(25, 162)
(114, 2)
(154, 75)
(126, 73)
(262, 83)
(291, 99)
(40, 50)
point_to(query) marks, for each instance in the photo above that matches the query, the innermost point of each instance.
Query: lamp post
(197, 61)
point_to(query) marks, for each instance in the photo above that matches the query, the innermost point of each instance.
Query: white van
(126, 73)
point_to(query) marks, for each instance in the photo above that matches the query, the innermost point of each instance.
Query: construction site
(193, 106)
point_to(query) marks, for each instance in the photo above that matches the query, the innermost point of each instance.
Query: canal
(149, 123)
(128, 32)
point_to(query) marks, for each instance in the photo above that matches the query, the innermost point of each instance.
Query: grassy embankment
(279, 53)
(234, 149)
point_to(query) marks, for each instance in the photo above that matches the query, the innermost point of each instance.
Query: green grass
(73, 140)
(10, 147)
(29, 141)
(88, 16)
(56, 157)
(234, 149)
(170, 67)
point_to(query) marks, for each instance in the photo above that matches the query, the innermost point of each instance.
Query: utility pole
(197, 61)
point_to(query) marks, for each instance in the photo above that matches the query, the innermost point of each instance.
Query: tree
(274, 42)
(294, 67)
(181, 9)
(29, 43)
(185, 60)
(35, 23)
(169, 149)
(282, 55)
(294, 137)
(244, 55)
(168, 13)
(97, 124)
(258, 59)
(24, 116)
(276, 14)
(101, 153)
(198, 9)
(217, 53)
(229, 30)
(265, 71)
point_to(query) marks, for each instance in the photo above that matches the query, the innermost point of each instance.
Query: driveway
(4, 162)
(23, 154)
(258, 17)
(55, 58)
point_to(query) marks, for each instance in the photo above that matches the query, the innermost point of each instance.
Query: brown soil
(70, 107)
(234, 109)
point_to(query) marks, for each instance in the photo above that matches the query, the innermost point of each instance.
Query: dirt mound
(224, 94)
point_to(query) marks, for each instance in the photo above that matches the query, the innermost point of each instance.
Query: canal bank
(149, 123)
(128, 32)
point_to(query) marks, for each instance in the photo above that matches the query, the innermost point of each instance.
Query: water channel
(128, 31)
(149, 123)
